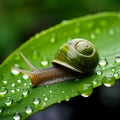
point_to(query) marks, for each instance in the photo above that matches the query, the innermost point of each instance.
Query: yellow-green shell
(77, 54)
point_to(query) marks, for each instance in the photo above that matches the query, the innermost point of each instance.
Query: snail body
(72, 60)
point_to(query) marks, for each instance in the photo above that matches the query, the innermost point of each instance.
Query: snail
(74, 58)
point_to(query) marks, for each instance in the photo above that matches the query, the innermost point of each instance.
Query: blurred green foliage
(21, 19)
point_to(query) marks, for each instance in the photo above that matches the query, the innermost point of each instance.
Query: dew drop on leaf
(37, 36)
(97, 31)
(108, 81)
(113, 70)
(1, 109)
(43, 103)
(99, 72)
(12, 90)
(116, 75)
(19, 98)
(25, 92)
(44, 62)
(16, 116)
(50, 91)
(5, 82)
(35, 55)
(9, 101)
(53, 39)
(14, 72)
(46, 99)
(36, 101)
(92, 36)
(27, 85)
(17, 57)
(63, 91)
(3, 91)
(111, 32)
(67, 98)
(90, 25)
(86, 90)
(25, 77)
(13, 84)
(103, 62)
(117, 59)
(18, 89)
(59, 101)
(96, 82)
(19, 81)
(28, 110)
(65, 22)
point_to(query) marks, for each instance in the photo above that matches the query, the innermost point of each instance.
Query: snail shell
(73, 58)
(78, 54)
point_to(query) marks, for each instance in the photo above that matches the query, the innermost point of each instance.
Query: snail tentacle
(32, 68)
(30, 74)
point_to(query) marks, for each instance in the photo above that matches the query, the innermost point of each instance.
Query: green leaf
(18, 100)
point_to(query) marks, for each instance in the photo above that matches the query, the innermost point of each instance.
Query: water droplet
(111, 32)
(44, 95)
(67, 98)
(92, 36)
(17, 116)
(28, 110)
(65, 22)
(13, 84)
(108, 81)
(90, 25)
(50, 91)
(44, 62)
(19, 81)
(8, 101)
(5, 82)
(14, 72)
(37, 36)
(27, 85)
(35, 55)
(17, 57)
(113, 70)
(25, 76)
(12, 90)
(18, 89)
(36, 101)
(19, 99)
(43, 103)
(63, 91)
(117, 59)
(103, 62)
(116, 75)
(3, 91)
(1, 109)
(96, 82)
(99, 72)
(59, 101)
(25, 92)
(53, 39)
(86, 90)
(73, 91)
(97, 31)
(46, 99)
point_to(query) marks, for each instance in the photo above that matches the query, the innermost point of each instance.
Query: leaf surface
(18, 100)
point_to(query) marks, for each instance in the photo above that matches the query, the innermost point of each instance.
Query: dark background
(22, 19)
